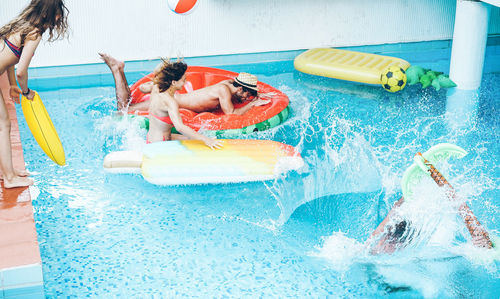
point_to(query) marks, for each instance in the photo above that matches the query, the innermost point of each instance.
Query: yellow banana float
(43, 129)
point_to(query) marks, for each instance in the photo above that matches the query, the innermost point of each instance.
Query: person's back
(204, 99)
(159, 128)
(223, 95)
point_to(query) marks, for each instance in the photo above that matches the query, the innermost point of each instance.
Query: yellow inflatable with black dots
(43, 129)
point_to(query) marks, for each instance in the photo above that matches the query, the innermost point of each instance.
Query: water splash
(338, 157)
(120, 133)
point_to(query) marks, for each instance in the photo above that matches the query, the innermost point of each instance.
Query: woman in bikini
(164, 110)
(20, 38)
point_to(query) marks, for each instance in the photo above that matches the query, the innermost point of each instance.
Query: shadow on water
(354, 214)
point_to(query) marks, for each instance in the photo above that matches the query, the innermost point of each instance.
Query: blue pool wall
(139, 30)
(98, 74)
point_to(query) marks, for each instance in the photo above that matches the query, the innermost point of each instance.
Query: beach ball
(393, 79)
(182, 7)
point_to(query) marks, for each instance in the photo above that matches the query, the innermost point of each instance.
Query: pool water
(109, 235)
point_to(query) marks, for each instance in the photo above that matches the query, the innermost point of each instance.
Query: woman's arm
(11, 74)
(14, 90)
(175, 117)
(29, 48)
(146, 87)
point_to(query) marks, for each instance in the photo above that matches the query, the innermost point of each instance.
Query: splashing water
(302, 235)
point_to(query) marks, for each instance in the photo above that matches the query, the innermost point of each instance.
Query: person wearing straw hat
(222, 95)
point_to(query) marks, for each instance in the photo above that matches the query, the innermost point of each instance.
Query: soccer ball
(393, 79)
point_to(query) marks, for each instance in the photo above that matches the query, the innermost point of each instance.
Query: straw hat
(247, 80)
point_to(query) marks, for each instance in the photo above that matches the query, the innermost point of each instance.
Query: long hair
(39, 15)
(169, 71)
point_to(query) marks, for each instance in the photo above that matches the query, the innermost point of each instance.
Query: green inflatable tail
(414, 174)
(416, 74)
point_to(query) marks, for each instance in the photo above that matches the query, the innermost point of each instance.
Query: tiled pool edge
(22, 282)
(21, 273)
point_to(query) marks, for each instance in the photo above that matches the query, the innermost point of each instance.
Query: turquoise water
(108, 235)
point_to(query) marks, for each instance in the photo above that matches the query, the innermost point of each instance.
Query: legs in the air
(121, 85)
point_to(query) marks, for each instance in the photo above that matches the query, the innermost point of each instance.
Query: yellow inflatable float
(354, 66)
(43, 129)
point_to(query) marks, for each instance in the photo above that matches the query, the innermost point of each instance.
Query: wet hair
(396, 234)
(250, 91)
(39, 15)
(168, 72)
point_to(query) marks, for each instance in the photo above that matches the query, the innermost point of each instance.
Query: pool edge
(21, 273)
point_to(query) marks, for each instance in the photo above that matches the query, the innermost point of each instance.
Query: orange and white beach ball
(182, 7)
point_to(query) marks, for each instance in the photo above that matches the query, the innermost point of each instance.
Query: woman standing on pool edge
(20, 38)
(164, 110)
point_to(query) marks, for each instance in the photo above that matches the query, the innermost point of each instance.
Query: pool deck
(20, 261)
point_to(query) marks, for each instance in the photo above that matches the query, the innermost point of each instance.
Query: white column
(469, 43)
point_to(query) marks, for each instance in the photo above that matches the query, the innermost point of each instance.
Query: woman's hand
(213, 143)
(30, 95)
(14, 92)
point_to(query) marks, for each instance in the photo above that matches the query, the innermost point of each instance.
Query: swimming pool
(104, 235)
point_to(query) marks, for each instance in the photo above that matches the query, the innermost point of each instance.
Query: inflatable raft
(191, 162)
(257, 119)
(43, 129)
(346, 65)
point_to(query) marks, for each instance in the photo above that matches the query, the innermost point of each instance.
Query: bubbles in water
(121, 133)
(340, 251)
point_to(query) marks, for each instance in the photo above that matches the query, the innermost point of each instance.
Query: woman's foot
(18, 172)
(22, 173)
(114, 64)
(17, 181)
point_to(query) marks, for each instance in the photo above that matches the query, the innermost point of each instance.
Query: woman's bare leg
(10, 177)
(121, 85)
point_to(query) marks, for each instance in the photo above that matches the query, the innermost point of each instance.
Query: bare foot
(22, 173)
(17, 181)
(18, 172)
(113, 63)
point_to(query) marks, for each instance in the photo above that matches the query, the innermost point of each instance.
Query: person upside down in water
(220, 95)
(390, 236)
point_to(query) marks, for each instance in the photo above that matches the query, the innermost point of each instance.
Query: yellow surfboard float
(43, 129)
(346, 65)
